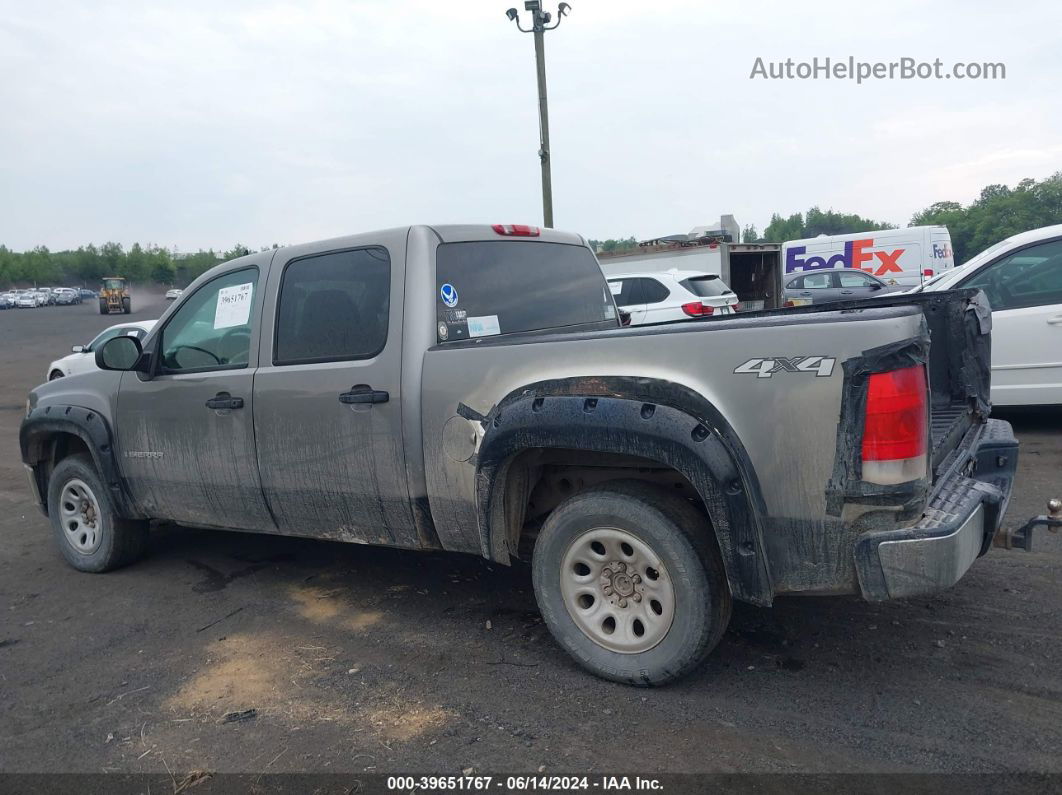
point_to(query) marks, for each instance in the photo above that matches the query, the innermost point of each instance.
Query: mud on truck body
(469, 388)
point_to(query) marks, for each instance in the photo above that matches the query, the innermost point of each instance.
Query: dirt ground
(362, 659)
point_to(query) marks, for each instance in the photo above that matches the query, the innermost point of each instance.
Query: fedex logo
(941, 251)
(855, 254)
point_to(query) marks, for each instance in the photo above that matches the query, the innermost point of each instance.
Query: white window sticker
(485, 326)
(615, 287)
(234, 306)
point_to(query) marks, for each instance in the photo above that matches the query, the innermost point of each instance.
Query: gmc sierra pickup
(470, 388)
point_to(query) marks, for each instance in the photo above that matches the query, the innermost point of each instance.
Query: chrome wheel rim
(79, 513)
(617, 590)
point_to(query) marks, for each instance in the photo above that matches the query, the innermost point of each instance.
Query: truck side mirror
(119, 353)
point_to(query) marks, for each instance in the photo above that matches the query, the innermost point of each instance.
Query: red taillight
(735, 308)
(517, 230)
(927, 272)
(895, 427)
(697, 309)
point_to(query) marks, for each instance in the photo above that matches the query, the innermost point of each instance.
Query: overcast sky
(200, 124)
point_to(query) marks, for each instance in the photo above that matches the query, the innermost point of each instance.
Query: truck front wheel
(630, 582)
(103, 306)
(91, 536)
(127, 305)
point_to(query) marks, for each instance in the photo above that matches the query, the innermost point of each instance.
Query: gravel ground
(347, 658)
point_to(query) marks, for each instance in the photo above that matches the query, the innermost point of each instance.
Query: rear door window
(489, 287)
(817, 281)
(627, 291)
(333, 307)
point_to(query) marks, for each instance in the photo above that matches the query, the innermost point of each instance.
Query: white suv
(665, 296)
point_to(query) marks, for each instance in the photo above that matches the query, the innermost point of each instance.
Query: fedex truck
(901, 256)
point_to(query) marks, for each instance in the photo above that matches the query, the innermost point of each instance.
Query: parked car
(82, 357)
(835, 284)
(174, 294)
(64, 296)
(666, 296)
(87, 294)
(470, 388)
(6, 301)
(1022, 278)
(47, 295)
(29, 299)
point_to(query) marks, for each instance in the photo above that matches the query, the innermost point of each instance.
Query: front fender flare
(40, 428)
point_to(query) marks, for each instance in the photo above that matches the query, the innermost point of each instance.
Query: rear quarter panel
(787, 422)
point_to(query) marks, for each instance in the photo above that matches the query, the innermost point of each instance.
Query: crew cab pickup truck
(470, 388)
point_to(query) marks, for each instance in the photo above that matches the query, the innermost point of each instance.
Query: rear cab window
(486, 288)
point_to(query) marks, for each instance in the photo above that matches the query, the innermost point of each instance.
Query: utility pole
(539, 25)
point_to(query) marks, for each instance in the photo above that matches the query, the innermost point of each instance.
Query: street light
(539, 25)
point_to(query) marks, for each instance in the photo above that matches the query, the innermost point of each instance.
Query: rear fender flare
(659, 421)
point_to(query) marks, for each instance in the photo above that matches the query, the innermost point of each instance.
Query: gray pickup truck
(470, 388)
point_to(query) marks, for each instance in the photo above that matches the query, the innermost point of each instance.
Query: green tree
(998, 213)
(748, 234)
(816, 222)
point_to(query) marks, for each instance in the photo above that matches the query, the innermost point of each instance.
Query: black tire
(120, 541)
(103, 307)
(127, 305)
(683, 540)
(54, 374)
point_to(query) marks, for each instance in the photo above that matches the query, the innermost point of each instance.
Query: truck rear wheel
(127, 305)
(90, 534)
(630, 582)
(103, 306)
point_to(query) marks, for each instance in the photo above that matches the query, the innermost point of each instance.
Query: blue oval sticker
(448, 293)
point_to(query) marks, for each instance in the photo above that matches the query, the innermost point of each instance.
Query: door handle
(223, 400)
(1055, 321)
(846, 292)
(364, 394)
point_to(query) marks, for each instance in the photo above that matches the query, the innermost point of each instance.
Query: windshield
(111, 333)
(113, 284)
(706, 286)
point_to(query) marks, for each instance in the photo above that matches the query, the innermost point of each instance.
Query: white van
(900, 256)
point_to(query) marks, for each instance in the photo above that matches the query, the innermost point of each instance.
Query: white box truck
(902, 256)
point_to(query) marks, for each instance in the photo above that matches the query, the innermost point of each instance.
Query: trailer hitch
(1022, 537)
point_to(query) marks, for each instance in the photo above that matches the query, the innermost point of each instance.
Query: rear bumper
(963, 514)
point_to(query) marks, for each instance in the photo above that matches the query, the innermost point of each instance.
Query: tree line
(87, 265)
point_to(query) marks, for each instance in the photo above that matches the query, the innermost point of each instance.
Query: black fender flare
(657, 420)
(39, 430)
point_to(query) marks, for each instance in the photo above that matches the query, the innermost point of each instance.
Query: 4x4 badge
(821, 366)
